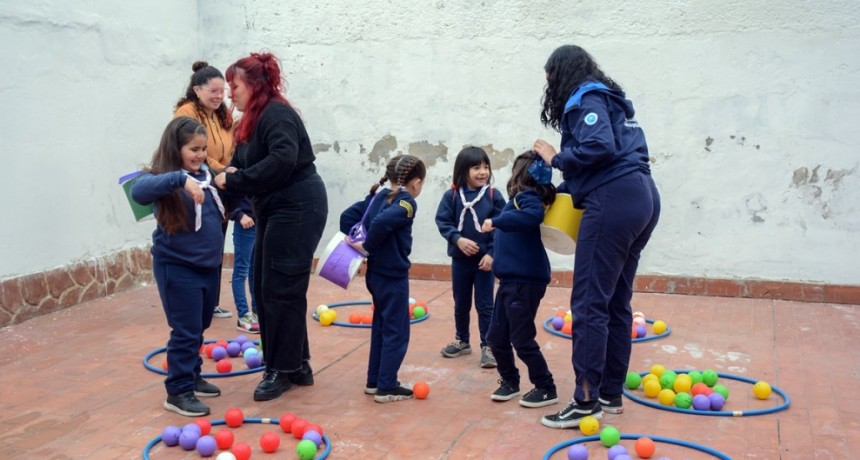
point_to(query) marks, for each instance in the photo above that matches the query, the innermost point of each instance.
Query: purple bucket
(339, 262)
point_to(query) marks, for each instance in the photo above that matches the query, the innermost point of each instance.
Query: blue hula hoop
(359, 302)
(718, 413)
(632, 436)
(213, 375)
(273, 421)
(547, 325)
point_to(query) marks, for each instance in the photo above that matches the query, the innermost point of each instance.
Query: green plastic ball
(306, 449)
(709, 377)
(695, 376)
(722, 390)
(683, 400)
(419, 312)
(667, 380)
(610, 436)
(633, 380)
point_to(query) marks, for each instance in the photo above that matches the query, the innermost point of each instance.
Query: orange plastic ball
(270, 441)
(224, 438)
(164, 364)
(224, 366)
(298, 428)
(367, 318)
(560, 314)
(234, 418)
(221, 343)
(567, 328)
(286, 422)
(421, 390)
(208, 349)
(205, 425)
(698, 389)
(354, 318)
(644, 447)
(633, 332)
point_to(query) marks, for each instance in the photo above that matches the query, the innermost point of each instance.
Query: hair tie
(540, 171)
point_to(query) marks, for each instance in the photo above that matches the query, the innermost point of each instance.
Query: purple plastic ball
(717, 401)
(557, 323)
(233, 349)
(254, 361)
(641, 331)
(615, 451)
(247, 345)
(170, 435)
(206, 446)
(188, 439)
(577, 452)
(192, 427)
(241, 338)
(312, 435)
(701, 402)
(219, 353)
(623, 457)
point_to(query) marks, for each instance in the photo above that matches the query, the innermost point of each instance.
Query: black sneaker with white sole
(611, 405)
(397, 394)
(186, 404)
(370, 390)
(572, 414)
(539, 397)
(204, 389)
(506, 391)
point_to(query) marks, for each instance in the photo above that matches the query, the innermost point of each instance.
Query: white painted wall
(748, 107)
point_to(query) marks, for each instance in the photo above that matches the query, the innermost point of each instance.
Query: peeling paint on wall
(382, 151)
(427, 152)
(320, 148)
(499, 159)
(815, 190)
(756, 204)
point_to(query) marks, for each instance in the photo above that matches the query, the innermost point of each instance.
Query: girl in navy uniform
(469, 202)
(604, 162)
(387, 216)
(523, 270)
(186, 255)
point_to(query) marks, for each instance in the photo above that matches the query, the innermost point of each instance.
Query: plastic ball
(683, 400)
(421, 390)
(616, 451)
(206, 446)
(164, 364)
(224, 438)
(241, 338)
(701, 402)
(270, 441)
(709, 377)
(234, 418)
(208, 349)
(219, 353)
(639, 321)
(659, 327)
(221, 343)
(234, 348)
(633, 332)
(313, 427)
(721, 389)
(248, 346)
(224, 366)
(241, 450)
(567, 328)
(762, 389)
(666, 397)
(226, 456)
(193, 427)
(577, 452)
(648, 377)
(412, 301)
(644, 447)
(188, 439)
(717, 401)
(667, 380)
(589, 425)
(560, 314)
(698, 388)
(633, 380)
(683, 383)
(419, 312)
(568, 318)
(652, 388)
(638, 314)
(306, 450)
(170, 435)
(557, 323)
(695, 376)
(354, 318)
(248, 352)
(657, 370)
(367, 318)
(286, 422)
(204, 424)
(298, 427)
(623, 457)
(254, 361)
(610, 436)
(641, 331)
(328, 317)
(314, 436)
(320, 309)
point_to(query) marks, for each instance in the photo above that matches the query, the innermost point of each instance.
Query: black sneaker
(570, 416)
(370, 390)
(204, 389)
(186, 404)
(397, 394)
(274, 384)
(505, 392)
(611, 405)
(303, 377)
(456, 348)
(539, 397)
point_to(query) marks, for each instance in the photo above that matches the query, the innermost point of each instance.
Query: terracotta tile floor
(72, 384)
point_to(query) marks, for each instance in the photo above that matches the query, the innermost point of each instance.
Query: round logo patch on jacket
(590, 119)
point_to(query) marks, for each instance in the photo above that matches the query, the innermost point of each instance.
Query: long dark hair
(202, 72)
(400, 170)
(466, 159)
(170, 210)
(567, 68)
(261, 72)
(522, 180)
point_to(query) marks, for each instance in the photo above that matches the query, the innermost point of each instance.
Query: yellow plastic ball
(652, 388)
(762, 390)
(666, 397)
(568, 317)
(328, 317)
(657, 370)
(589, 425)
(659, 327)
(683, 383)
(650, 377)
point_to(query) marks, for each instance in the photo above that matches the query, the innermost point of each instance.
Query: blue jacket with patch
(520, 254)
(448, 218)
(600, 140)
(389, 230)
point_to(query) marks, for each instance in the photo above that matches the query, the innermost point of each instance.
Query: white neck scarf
(198, 208)
(467, 206)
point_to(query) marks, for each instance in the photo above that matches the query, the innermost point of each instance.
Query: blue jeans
(243, 268)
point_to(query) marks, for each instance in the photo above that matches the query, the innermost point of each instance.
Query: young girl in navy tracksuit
(387, 216)
(186, 255)
(604, 163)
(523, 270)
(461, 211)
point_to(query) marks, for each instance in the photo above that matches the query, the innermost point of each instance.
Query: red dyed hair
(261, 72)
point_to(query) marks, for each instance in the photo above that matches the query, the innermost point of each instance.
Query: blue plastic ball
(640, 332)
(241, 338)
(254, 361)
(615, 451)
(701, 402)
(313, 435)
(219, 353)
(577, 452)
(206, 446)
(717, 401)
(557, 323)
(170, 435)
(188, 439)
(233, 349)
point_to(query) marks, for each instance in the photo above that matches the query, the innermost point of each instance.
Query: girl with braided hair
(387, 216)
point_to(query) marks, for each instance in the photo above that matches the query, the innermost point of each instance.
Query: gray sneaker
(456, 348)
(488, 361)
(221, 313)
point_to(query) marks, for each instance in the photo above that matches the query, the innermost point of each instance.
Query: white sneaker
(248, 323)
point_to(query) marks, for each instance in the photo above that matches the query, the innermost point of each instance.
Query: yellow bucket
(560, 225)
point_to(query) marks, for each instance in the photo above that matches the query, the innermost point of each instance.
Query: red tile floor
(72, 385)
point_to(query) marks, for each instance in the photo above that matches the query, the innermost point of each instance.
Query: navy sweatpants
(389, 332)
(188, 296)
(513, 328)
(465, 276)
(616, 225)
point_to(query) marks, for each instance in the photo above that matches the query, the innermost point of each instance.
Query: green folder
(140, 211)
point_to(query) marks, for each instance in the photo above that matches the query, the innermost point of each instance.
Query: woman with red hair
(273, 165)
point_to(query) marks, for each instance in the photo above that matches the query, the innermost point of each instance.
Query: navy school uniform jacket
(203, 248)
(448, 217)
(520, 254)
(389, 230)
(600, 140)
